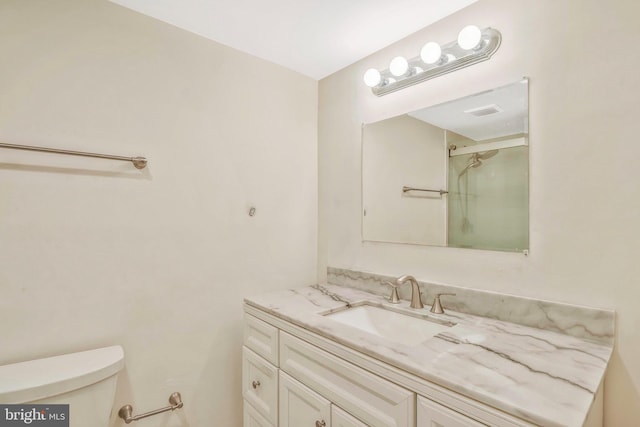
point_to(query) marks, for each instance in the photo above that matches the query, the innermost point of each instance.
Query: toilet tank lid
(41, 378)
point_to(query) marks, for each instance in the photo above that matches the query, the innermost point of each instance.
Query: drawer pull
(320, 423)
(255, 384)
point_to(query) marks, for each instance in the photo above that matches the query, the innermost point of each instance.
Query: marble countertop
(543, 377)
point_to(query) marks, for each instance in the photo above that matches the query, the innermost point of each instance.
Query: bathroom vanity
(336, 356)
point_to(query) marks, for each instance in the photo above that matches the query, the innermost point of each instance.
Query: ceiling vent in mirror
(473, 45)
(485, 110)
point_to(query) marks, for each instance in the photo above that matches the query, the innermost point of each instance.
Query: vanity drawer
(374, 400)
(252, 418)
(260, 385)
(262, 338)
(339, 418)
(431, 414)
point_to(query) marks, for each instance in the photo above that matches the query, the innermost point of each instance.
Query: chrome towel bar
(126, 412)
(138, 162)
(405, 189)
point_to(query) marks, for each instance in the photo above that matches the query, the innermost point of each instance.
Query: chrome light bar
(472, 46)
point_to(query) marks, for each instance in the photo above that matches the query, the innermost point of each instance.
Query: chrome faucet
(416, 302)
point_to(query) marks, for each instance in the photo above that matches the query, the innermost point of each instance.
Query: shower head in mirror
(486, 154)
(473, 162)
(476, 159)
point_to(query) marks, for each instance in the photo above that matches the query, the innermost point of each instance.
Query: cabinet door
(300, 406)
(340, 418)
(432, 414)
(252, 418)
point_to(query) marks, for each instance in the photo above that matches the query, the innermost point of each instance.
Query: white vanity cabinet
(260, 373)
(295, 378)
(308, 384)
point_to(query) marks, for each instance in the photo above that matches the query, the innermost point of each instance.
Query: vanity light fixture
(372, 77)
(469, 37)
(399, 66)
(431, 53)
(473, 45)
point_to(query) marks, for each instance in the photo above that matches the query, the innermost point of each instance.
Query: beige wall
(585, 197)
(396, 152)
(94, 252)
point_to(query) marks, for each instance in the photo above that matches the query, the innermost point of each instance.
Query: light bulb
(399, 66)
(372, 77)
(431, 53)
(469, 37)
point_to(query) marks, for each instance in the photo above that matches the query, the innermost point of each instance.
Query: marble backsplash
(594, 324)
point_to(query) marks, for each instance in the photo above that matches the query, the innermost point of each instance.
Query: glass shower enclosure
(488, 203)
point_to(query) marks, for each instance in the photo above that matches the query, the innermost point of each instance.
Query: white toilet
(86, 381)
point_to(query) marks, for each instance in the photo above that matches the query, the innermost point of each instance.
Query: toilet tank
(86, 381)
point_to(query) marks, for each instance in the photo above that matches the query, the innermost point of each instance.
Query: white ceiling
(512, 99)
(313, 37)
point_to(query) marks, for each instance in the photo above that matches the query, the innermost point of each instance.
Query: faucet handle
(394, 298)
(437, 305)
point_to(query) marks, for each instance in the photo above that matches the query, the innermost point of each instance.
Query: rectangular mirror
(454, 174)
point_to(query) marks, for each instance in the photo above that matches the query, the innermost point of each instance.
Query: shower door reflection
(488, 204)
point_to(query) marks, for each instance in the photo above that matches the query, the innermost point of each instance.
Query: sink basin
(391, 325)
